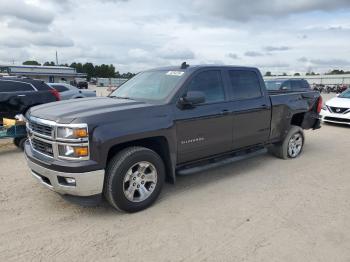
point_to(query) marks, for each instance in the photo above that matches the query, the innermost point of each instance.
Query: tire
(126, 184)
(19, 142)
(284, 149)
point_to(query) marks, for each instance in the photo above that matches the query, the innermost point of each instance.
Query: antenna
(184, 65)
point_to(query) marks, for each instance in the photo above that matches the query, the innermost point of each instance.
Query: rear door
(14, 97)
(251, 108)
(206, 129)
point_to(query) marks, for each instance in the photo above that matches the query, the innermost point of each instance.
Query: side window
(245, 84)
(210, 83)
(286, 85)
(296, 85)
(60, 88)
(305, 84)
(41, 86)
(11, 86)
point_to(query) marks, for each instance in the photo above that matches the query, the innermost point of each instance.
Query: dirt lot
(260, 209)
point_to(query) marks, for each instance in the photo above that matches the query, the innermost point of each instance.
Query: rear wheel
(134, 179)
(291, 146)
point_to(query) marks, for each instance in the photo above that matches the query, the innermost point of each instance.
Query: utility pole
(56, 58)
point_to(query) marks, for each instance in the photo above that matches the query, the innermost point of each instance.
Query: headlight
(72, 151)
(72, 133)
(325, 108)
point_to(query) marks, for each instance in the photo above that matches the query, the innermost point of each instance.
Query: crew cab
(163, 122)
(17, 95)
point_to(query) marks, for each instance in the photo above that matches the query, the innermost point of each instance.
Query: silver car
(71, 92)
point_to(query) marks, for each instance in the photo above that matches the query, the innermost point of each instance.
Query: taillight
(56, 94)
(320, 104)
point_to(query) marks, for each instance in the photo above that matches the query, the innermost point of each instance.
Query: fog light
(70, 181)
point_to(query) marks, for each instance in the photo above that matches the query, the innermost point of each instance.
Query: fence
(318, 79)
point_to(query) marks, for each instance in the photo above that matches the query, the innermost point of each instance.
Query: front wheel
(134, 179)
(19, 142)
(291, 146)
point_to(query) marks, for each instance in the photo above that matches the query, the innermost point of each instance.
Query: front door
(205, 129)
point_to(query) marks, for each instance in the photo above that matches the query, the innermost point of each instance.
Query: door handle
(225, 112)
(264, 106)
(21, 95)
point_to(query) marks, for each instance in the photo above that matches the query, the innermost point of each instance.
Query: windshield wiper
(122, 97)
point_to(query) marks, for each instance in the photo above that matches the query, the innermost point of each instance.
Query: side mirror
(192, 98)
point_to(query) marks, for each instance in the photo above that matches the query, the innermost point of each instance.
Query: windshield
(151, 85)
(273, 85)
(345, 94)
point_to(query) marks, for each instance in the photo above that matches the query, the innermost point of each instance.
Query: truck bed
(285, 104)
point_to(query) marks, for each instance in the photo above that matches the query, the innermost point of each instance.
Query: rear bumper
(86, 183)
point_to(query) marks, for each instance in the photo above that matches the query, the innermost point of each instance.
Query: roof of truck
(191, 68)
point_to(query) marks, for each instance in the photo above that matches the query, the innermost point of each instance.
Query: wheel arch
(159, 144)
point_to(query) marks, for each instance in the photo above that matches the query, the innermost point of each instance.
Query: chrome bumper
(86, 184)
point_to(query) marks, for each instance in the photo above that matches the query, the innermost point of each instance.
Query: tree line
(91, 70)
(331, 72)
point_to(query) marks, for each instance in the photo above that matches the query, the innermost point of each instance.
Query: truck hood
(65, 112)
(339, 102)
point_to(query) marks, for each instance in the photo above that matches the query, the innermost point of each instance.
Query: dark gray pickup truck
(163, 122)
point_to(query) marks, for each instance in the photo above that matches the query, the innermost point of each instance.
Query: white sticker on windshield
(175, 73)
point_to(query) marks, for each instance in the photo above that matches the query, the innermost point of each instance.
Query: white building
(49, 74)
(318, 79)
(113, 82)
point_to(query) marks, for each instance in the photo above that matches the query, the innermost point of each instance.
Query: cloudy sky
(274, 35)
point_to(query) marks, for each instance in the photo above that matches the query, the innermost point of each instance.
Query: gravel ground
(259, 209)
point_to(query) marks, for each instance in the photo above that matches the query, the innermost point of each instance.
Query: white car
(71, 92)
(337, 110)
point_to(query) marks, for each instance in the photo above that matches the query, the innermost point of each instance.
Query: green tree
(78, 67)
(89, 70)
(268, 74)
(31, 62)
(49, 63)
(127, 75)
(297, 74)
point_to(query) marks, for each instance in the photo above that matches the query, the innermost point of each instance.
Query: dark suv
(287, 85)
(17, 95)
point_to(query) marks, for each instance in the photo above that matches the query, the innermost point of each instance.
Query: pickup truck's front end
(57, 154)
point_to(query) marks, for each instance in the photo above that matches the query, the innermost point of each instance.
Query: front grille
(338, 110)
(336, 119)
(41, 129)
(42, 147)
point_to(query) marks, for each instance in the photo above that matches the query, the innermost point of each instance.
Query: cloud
(172, 53)
(303, 59)
(330, 62)
(233, 56)
(22, 10)
(249, 9)
(253, 54)
(134, 35)
(276, 48)
(41, 39)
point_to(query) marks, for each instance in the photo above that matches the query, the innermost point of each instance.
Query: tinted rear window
(15, 86)
(41, 86)
(245, 84)
(60, 88)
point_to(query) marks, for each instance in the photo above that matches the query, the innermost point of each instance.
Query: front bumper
(328, 116)
(86, 183)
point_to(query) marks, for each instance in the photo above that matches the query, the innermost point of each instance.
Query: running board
(214, 163)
